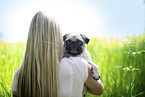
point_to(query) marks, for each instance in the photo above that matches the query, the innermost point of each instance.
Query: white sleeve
(15, 82)
(82, 65)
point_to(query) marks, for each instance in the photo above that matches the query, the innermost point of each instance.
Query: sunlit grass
(10, 59)
(121, 63)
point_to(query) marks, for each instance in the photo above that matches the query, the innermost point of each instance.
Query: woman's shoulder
(75, 59)
(15, 81)
(78, 60)
(17, 71)
(16, 74)
(77, 64)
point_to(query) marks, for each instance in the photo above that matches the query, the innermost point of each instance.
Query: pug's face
(74, 44)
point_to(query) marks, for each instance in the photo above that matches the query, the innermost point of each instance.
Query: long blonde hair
(38, 75)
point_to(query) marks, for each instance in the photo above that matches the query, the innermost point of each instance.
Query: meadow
(121, 64)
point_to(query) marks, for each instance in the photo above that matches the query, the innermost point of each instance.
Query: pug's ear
(65, 36)
(85, 38)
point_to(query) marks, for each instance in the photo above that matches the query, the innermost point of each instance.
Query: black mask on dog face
(73, 47)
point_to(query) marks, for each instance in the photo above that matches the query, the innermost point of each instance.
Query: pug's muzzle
(73, 47)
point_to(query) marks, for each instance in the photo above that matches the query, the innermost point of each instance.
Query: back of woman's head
(39, 70)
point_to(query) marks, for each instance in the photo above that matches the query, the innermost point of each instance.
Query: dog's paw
(97, 77)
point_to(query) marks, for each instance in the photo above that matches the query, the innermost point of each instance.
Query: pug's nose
(74, 43)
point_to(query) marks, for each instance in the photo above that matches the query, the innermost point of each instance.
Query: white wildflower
(3, 56)
(133, 53)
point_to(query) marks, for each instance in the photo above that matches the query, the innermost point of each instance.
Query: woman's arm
(94, 87)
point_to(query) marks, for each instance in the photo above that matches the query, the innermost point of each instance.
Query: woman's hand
(94, 87)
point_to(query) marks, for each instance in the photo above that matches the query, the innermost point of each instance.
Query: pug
(75, 45)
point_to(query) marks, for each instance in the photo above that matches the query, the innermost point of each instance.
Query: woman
(38, 73)
(42, 68)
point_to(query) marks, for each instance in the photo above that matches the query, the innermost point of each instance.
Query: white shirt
(15, 81)
(73, 73)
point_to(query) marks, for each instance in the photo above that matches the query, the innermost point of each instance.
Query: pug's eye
(68, 41)
(80, 42)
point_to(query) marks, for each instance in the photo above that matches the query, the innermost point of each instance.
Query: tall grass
(10, 59)
(121, 63)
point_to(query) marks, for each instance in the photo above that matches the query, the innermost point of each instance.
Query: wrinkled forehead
(74, 37)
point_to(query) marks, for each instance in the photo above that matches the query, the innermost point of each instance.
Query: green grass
(121, 63)
(10, 59)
